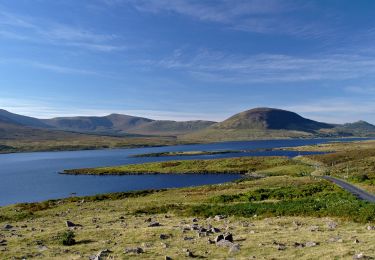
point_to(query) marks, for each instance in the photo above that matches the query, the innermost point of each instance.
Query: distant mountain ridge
(257, 123)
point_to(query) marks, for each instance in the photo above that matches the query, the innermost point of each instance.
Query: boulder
(311, 244)
(154, 224)
(133, 250)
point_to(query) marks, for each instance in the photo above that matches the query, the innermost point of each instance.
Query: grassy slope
(354, 161)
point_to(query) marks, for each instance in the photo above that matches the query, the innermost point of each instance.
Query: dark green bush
(67, 238)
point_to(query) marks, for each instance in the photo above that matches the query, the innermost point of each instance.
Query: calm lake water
(29, 177)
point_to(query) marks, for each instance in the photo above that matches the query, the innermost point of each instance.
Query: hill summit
(271, 119)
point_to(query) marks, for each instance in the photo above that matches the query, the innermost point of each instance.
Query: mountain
(125, 124)
(9, 117)
(270, 119)
(270, 123)
(257, 123)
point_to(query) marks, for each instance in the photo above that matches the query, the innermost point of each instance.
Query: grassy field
(264, 165)
(273, 217)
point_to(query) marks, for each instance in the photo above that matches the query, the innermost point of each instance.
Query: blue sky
(188, 59)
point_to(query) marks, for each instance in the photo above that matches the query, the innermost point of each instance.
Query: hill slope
(125, 124)
(9, 117)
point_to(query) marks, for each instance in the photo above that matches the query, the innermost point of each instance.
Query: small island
(185, 153)
(243, 165)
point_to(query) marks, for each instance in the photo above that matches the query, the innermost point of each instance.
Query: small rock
(148, 219)
(154, 224)
(218, 238)
(188, 253)
(356, 241)
(164, 236)
(188, 238)
(331, 225)
(167, 258)
(219, 217)
(311, 244)
(234, 248)
(224, 243)
(7, 226)
(370, 227)
(164, 245)
(299, 245)
(42, 248)
(228, 237)
(194, 220)
(134, 250)
(314, 228)
(335, 239)
(101, 255)
(122, 217)
(70, 224)
(361, 256)
(279, 246)
(210, 241)
(215, 230)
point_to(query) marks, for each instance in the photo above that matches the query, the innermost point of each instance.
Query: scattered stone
(164, 245)
(314, 228)
(194, 227)
(219, 217)
(215, 230)
(356, 241)
(154, 224)
(167, 258)
(361, 256)
(187, 252)
(370, 227)
(279, 246)
(3, 242)
(70, 224)
(7, 226)
(224, 243)
(299, 245)
(234, 248)
(202, 234)
(164, 236)
(331, 225)
(122, 217)
(218, 238)
(148, 219)
(101, 255)
(42, 248)
(194, 220)
(311, 244)
(335, 239)
(228, 237)
(188, 238)
(210, 241)
(133, 250)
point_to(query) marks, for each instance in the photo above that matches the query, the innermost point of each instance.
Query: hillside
(9, 117)
(125, 124)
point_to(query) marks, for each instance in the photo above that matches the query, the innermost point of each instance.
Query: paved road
(361, 194)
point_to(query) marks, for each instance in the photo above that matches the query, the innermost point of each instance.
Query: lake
(29, 177)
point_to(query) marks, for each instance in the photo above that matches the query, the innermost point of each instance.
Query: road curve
(361, 194)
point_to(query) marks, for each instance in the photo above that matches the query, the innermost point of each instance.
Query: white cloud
(17, 27)
(264, 68)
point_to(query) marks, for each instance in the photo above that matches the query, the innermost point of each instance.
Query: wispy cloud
(36, 30)
(264, 68)
(259, 16)
(337, 110)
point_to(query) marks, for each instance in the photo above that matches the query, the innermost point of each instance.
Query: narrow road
(361, 194)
